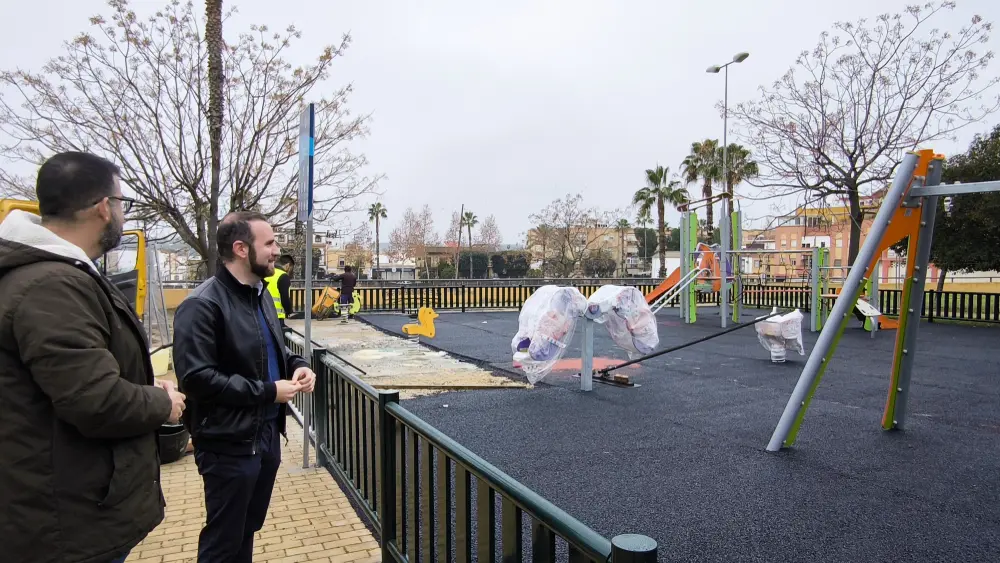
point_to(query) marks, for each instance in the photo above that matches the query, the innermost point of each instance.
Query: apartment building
(622, 246)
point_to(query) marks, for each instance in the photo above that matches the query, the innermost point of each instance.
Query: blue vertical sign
(307, 149)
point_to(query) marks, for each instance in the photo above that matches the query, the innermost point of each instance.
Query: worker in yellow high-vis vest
(278, 285)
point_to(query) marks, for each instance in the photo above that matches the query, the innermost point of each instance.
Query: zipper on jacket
(260, 419)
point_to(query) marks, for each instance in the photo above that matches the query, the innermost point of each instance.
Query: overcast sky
(505, 106)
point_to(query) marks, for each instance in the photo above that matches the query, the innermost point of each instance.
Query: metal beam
(912, 305)
(798, 402)
(793, 251)
(955, 189)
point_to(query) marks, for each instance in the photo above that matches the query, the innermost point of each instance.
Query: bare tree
(840, 121)
(358, 252)
(489, 236)
(413, 235)
(136, 90)
(571, 232)
(454, 233)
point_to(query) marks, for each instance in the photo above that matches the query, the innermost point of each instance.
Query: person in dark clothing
(238, 375)
(79, 406)
(347, 282)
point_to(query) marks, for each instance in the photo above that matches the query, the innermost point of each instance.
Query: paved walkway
(310, 518)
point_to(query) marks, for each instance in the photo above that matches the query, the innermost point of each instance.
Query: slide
(664, 287)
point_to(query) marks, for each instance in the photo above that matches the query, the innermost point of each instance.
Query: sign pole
(307, 149)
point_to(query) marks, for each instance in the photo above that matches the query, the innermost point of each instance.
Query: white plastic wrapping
(630, 321)
(781, 333)
(545, 328)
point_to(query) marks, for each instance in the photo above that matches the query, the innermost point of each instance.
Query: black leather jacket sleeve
(197, 361)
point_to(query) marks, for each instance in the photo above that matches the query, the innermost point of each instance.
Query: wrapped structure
(781, 333)
(627, 316)
(545, 328)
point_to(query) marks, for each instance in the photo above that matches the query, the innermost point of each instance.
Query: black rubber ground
(682, 459)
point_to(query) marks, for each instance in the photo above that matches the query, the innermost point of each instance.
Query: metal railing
(428, 497)
(938, 305)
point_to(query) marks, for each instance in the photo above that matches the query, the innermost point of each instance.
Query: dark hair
(71, 181)
(235, 226)
(347, 268)
(286, 259)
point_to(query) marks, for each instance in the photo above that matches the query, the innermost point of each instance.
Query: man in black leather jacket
(231, 362)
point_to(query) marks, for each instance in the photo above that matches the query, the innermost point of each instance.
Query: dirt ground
(391, 362)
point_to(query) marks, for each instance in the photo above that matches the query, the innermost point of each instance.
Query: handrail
(572, 530)
(687, 280)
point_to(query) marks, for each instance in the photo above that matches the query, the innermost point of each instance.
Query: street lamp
(726, 202)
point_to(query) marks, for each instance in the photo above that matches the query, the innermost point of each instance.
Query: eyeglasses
(127, 202)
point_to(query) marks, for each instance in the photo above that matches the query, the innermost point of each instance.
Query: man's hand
(286, 390)
(177, 405)
(165, 384)
(306, 378)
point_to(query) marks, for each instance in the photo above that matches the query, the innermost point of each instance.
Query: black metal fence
(938, 305)
(428, 497)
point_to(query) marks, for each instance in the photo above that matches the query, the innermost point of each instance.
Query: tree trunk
(706, 192)
(857, 216)
(213, 40)
(378, 261)
(940, 284)
(662, 234)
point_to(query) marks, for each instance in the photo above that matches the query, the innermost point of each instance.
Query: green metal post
(387, 482)
(737, 230)
(633, 548)
(691, 294)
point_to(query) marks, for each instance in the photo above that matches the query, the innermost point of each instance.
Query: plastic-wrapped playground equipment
(781, 333)
(630, 320)
(545, 328)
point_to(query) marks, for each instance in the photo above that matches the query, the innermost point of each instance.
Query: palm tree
(644, 218)
(703, 163)
(622, 226)
(216, 84)
(377, 212)
(739, 166)
(469, 220)
(659, 191)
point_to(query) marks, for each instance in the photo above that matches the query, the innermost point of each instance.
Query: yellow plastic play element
(424, 325)
(328, 304)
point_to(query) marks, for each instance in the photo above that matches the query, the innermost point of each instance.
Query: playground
(681, 457)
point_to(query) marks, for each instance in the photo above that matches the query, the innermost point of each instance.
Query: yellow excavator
(130, 277)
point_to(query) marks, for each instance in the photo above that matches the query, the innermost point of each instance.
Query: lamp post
(726, 201)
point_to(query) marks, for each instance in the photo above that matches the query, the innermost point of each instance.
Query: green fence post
(321, 406)
(387, 502)
(633, 548)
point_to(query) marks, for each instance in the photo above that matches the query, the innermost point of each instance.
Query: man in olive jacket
(79, 409)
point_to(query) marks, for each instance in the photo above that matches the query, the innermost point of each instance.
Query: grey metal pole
(587, 361)
(797, 402)
(910, 317)
(724, 223)
(307, 333)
